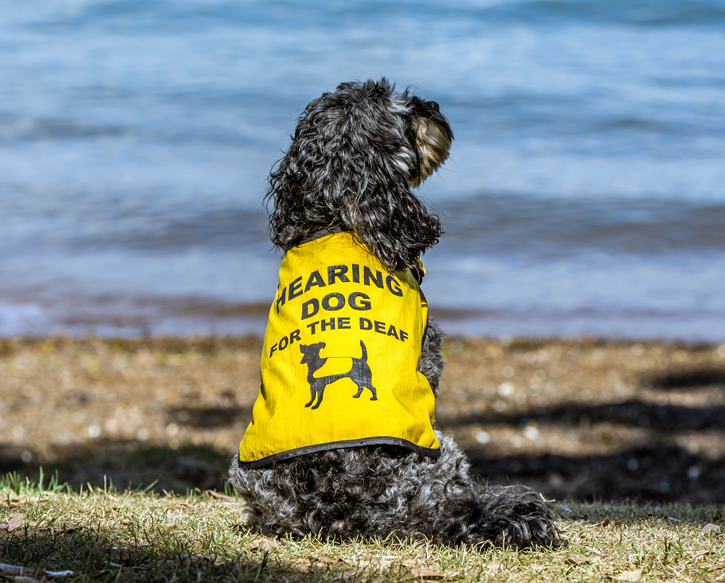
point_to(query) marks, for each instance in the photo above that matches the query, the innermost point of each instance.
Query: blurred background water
(584, 194)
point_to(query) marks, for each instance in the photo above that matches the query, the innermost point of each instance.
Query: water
(584, 194)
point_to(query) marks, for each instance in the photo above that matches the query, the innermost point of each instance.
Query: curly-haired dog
(352, 231)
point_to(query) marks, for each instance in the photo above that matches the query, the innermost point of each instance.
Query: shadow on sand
(658, 468)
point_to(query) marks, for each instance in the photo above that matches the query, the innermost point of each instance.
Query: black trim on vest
(316, 235)
(285, 455)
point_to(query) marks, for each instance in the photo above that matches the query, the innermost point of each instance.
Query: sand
(578, 420)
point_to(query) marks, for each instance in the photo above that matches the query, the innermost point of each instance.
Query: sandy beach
(579, 420)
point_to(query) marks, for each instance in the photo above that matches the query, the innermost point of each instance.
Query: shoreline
(11, 342)
(132, 316)
(576, 418)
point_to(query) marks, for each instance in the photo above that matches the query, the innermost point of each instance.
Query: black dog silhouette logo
(359, 373)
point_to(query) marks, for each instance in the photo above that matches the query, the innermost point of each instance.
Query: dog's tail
(364, 351)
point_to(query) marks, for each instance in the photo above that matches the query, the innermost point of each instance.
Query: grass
(140, 535)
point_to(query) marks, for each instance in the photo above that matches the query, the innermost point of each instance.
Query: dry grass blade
(13, 570)
(16, 522)
(219, 495)
(635, 575)
(266, 544)
(376, 562)
(426, 573)
(705, 553)
(417, 571)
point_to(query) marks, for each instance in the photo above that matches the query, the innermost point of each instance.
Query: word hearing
(337, 273)
(334, 301)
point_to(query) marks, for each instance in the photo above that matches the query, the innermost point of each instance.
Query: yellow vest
(340, 357)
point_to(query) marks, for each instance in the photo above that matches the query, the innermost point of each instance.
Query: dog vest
(340, 358)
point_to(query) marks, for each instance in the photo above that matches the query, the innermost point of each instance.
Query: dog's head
(354, 157)
(311, 352)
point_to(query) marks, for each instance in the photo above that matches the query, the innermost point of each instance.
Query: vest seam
(292, 453)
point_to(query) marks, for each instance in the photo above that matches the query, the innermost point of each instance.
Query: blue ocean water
(585, 193)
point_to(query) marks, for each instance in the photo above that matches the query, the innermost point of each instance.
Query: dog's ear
(434, 142)
(432, 135)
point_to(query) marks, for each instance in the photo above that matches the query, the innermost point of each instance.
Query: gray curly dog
(355, 156)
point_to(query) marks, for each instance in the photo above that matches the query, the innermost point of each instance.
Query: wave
(646, 13)
(23, 129)
(494, 224)
(162, 15)
(18, 129)
(512, 225)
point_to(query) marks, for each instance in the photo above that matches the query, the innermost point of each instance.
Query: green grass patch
(140, 535)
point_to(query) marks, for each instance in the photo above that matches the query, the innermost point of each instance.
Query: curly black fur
(379, 490)
(354, 157)
(431, 359)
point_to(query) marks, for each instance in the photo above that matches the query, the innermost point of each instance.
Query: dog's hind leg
(362, 376)
(362, 386)
(373, 390)
(369, 381)
(456, 508)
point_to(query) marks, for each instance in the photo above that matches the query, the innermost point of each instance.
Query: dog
(359, 373)
(353, 231)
